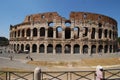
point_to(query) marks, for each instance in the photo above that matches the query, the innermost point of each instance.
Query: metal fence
(108, 74)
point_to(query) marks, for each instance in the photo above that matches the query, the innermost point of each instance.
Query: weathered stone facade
(49, 33)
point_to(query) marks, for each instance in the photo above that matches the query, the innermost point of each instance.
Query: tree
(4, 41)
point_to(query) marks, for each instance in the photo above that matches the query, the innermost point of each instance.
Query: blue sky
(14, 11)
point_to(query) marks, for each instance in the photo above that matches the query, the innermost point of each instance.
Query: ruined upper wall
(50, 16)
(43, 17)
(92, 16)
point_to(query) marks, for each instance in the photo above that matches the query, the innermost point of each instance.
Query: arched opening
(67, 23)
(58, 48)
(93, 49)
(42, 32)
(28, 32)
(51, 24)
(22, 47)
(41, 48)
(84, 16)
(15, 34)
(34, 48)
(100, 49)
(59, 32)
(110, 49)
(50, 32)
(67, 33)
(85, 31)
(85, 49)
(106, 49)
(34, 32)
(99, 24)
(76, 48)
(17, 47)
(27, 47)
(14, 47)
(23, 33)
(93, 33)
(76, 32)
(18, 33)
(110, 33)
(105, 33)
(100, 33)
(67, 48)
(50, 48)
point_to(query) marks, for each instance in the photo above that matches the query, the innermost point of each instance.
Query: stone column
(81, 48)
(38, 33)
(63, 34)
(45, 48)
(37, 73)
(72, 33)
(46, 33)
(97, 48)
(25, 33)
(89, 49)
(37, 48)
(31, 33)
(54, 33)
(54, 49)
(103, 35)
(63, 49)
(71, 49)
(96, 34)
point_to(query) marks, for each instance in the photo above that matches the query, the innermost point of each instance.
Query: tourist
(99, 73)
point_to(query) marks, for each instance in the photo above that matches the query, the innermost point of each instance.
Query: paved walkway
(19, 60)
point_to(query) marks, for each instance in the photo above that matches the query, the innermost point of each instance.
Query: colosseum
(50, 33)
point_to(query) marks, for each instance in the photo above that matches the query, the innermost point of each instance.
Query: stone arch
(34, 48)
(15, 34)
(85, 49)
(68, 23)
(41, 48)
(14, 47)
(67, 33)
(76, 48)
(105, 48)
(100, 49)
(50, 32)
(110, 49)
(18, 47)
(67, 48)
(18, 33)
(105, 33)
(42, 32)
(28, 32)
(85, 32)
(34, 32)
(110, 34)
(50, 24)
(100, 33)
(59, 32)
(23, 33)
(76, 32)
(27, 47)
(22, 47)
(99, 24)
(58, 48)
(50, 48)
(93, 49)
(93, 33)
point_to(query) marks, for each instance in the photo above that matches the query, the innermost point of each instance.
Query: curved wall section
(49, 33)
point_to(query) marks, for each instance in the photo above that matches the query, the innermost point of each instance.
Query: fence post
(37, 73)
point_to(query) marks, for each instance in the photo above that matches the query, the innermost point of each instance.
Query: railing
(108, 74)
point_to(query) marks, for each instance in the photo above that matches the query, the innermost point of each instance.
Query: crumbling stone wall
(49, 33)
